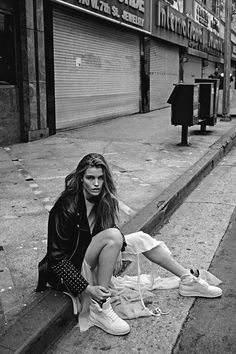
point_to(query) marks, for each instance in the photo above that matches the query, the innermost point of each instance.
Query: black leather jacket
(68, 235)
(68, 239)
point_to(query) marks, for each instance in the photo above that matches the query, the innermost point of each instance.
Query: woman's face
(92, 182)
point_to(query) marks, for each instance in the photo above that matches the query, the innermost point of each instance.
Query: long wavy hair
(107, 208)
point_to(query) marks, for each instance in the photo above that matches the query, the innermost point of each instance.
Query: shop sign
(215, 44)
(131, 12)
(206, 19)
(172, 20)
(212, 44)
(197, 36)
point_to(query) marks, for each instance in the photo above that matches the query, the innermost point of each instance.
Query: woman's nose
(96, 181)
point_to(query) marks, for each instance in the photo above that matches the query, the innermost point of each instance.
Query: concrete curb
(39, 325)
(47, 318)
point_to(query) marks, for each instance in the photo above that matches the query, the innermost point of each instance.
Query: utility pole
(227, 62)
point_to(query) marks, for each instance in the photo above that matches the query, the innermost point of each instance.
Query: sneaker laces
(202, 282)
(111, 314)
(196, 279)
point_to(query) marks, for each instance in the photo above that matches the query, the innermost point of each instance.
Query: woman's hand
(97, 292)
(118, 266)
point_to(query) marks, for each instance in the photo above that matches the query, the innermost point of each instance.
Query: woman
(83, 236)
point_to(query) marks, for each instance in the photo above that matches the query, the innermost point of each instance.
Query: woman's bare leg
(103, 252)
(189, 286)
(162, 257)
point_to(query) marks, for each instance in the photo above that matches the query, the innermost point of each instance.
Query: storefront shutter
(164, 72)
(97, 69)
(192, 69)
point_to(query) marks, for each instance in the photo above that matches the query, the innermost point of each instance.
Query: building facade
(69, 63)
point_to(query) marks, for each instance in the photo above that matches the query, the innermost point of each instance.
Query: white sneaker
(192, 286)
(105, 318)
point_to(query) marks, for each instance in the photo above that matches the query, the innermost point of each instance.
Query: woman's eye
(91, 178)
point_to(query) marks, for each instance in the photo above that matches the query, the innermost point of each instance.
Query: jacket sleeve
(61, 227)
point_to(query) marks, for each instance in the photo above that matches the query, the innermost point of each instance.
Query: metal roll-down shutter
(164, 72)
(97, 69)
(192, 69)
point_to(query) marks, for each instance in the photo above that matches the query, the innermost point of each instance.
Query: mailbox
(206, 100)
(212, 116)
(184, 101)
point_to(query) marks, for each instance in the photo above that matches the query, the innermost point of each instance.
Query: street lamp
(227, 62)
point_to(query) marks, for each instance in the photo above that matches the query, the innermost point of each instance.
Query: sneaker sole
(97, 324)
(195, 294)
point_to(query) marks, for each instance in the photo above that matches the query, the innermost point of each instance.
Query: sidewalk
(153, 176)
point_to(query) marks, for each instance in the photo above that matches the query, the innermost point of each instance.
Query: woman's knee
(113, 236)
(109, 237)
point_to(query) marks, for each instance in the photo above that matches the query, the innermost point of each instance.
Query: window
(177, 4)
(216, 6)
(7, 51)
